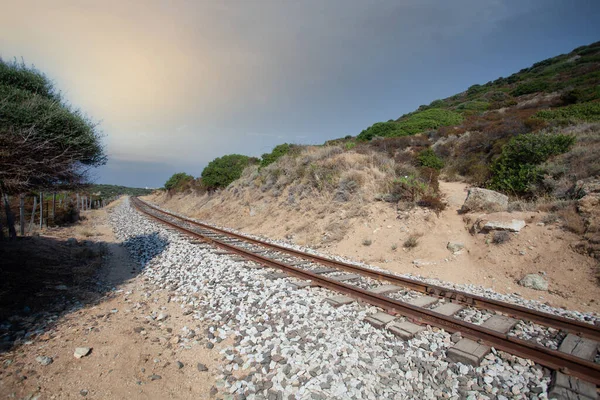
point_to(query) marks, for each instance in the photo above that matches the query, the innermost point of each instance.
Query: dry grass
(572, 221)
(501, 237)
(412, 241)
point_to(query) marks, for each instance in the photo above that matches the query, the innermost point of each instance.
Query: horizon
(175, 87)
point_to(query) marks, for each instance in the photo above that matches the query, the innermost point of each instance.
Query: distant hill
(558, 81)
(107, 191)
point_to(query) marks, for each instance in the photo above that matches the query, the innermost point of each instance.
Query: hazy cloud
(179, 83)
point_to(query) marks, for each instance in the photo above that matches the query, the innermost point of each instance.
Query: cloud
(185, 82)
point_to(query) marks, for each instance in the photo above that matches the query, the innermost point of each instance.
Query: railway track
(310, 267)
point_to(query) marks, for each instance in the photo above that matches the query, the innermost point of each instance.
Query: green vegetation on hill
(178, 180)
(522, 134)
(279, 151)
(108, 191)
(221, 171)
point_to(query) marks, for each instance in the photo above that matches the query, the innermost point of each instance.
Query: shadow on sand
(43, 278)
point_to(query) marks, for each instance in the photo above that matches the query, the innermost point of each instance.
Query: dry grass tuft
(412, 241)
(501, 237)
(572, 221)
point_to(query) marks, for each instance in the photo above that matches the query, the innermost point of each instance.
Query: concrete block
(339, 300)
(405, 330)
(424, 301)
(380, 319)
(448, 309)
(468, 351)
(383, 289)
(579, 347)
(568, 387)
(500, 323)
(345, 277)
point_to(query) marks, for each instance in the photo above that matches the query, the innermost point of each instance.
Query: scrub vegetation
(524, 135)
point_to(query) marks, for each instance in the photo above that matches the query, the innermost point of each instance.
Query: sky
(175, 84)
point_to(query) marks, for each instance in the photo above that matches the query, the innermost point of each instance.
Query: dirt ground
(535, 249)
(133, 355)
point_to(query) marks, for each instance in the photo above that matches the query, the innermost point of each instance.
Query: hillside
(391, 195)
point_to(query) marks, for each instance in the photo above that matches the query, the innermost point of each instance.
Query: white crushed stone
(292, 344)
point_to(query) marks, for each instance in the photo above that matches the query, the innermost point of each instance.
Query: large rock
(534, 281)
(514, 225)
(484, 200)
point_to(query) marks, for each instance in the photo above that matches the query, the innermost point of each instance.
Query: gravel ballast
(292, 344)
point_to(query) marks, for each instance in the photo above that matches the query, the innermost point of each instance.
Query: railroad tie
(384, 289)
(448, 309)
(339, 300)
(405, 330)
(568, 387)
(379, 319)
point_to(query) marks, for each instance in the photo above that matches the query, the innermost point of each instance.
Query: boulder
(455, 246)
(514, 225)
(484, 200)
(81, 352)
(534, 281)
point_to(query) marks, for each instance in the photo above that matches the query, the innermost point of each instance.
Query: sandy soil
(344, 229)
(123, 359)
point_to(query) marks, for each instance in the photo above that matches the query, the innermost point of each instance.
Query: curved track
(553, 359)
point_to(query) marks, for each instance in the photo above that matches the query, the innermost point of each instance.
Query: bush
(428, 120)
(475, 105)
(412, 124)
(177, 181)
(589, 112)
(367, 242)
(531, 87)
(279, 151)
(516, 168)
(428, 158)
(412, 241)
(221, 171)
(380, 129)
(500, 237)
(433, 202)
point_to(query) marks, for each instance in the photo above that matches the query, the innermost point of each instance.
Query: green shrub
(411, 124)
(475, 105)
(531, 87)
(279, 151)
(428, 158)
(427, 120)
(517, 167)
(177, 181)
(21, 77)
(221, 171)
(589, 112)
(381, 129)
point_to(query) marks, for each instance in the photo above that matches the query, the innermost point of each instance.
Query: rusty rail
(546, 319)
(552, 359)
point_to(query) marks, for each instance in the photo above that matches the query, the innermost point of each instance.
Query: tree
(221, 171)
(176, 181)
(44, 142)
(278, 151)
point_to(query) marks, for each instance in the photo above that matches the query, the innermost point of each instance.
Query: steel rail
(552, 359)
(577, 327)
